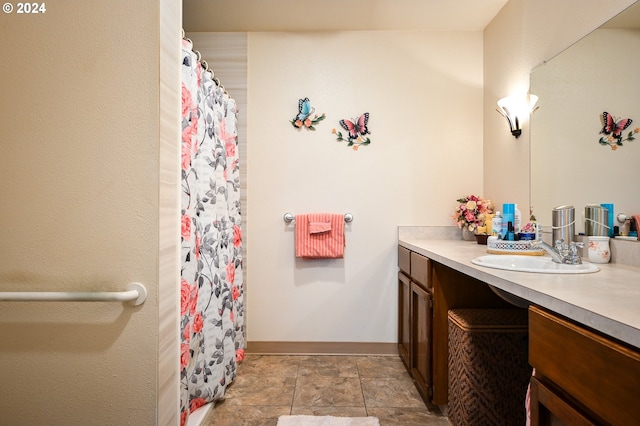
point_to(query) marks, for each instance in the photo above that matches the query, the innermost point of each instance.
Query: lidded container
(596, 219)
(563, 224)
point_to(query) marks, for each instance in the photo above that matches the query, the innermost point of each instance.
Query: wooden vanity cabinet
(426, 292)
(582, 377)
(415, 315)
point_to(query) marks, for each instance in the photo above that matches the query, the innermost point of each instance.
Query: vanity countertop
(607, 301)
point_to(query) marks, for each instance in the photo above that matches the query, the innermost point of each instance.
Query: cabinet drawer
(420, 270)
(599, 373)
(404, 262)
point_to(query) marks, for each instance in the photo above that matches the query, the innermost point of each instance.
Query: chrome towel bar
(289, 217)
(136, 294)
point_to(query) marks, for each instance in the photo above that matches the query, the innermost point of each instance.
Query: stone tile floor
(268, 386)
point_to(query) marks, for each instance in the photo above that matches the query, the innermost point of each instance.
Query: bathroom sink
(538, 264)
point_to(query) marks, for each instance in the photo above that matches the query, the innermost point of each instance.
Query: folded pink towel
(320, 235)
(319, 227)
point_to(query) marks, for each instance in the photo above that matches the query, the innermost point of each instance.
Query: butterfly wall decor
(303, 118)
(612, 130)
(357, 131)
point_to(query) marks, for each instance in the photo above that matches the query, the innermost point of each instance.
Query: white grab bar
(136, 294)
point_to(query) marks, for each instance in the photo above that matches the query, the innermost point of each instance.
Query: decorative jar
(599, 249)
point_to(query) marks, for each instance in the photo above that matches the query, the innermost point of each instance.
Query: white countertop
(607, 301)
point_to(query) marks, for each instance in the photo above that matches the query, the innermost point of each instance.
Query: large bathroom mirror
(570, 164)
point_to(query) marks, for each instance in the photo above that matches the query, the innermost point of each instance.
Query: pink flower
(186, 157)
(186, 227)
(231, 272)
(186, 101)
(189, 133)
(185, 296)
(198, 322)
(237, 236)
(235, 293)
(186, 333)
(193, 301)
(196, 403)
(198, 244)
(184, 355)
(469, 216)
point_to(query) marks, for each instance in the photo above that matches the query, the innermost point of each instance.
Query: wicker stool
(488, 366)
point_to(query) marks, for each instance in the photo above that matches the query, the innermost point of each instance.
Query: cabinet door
(548, 408)
(595, 373)
(421, 311)
(404, 318)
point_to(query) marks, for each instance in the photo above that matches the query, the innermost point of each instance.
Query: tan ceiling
(338, 15)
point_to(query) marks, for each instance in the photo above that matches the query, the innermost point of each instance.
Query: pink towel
(637, 219)
(319, 227)
(320, 235)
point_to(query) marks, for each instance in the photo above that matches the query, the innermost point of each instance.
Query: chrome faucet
(561, 253)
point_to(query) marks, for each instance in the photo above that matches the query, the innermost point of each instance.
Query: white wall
(523, 35)
(423, 91)
(80, 170)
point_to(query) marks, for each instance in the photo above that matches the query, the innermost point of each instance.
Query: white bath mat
(327, 421)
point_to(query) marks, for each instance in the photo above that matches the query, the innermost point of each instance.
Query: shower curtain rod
(136, 294)
(204, 63)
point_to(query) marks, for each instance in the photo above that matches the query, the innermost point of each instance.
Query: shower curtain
(211, 308)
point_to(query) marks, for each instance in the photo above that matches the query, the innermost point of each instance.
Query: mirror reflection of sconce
(514, 108)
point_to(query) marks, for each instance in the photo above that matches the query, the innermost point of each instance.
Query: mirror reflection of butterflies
(304, 109)
(613, 127)
(356, 127)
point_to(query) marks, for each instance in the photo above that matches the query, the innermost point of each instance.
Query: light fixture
(514, 108)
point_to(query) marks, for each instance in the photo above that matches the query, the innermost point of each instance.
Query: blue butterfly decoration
(304, 109)
(303, 118)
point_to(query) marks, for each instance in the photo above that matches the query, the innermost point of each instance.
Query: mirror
(570, 165)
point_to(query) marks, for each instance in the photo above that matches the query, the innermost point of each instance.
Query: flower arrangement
(471, 211)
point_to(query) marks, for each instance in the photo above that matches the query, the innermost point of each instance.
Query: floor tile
(382, 366)
(328, 391)
(269, 365)
(390, 392)
(261, 390)
(328, 366)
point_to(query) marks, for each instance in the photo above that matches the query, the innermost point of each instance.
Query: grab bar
(289, 217)
(136, 294)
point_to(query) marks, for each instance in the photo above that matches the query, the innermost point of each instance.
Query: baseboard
(322, 348)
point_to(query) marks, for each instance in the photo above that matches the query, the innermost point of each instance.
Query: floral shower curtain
(212, 308)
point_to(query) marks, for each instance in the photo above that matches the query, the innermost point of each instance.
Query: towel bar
(289, 217)
(136, 294)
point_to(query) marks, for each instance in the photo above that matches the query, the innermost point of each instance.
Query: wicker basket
(496, 246)
(488, 369)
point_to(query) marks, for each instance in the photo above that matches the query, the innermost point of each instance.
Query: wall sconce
(513, 108)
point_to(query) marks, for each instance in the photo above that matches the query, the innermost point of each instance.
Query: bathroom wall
(79, 165)
(523, 35)
(423, 91)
